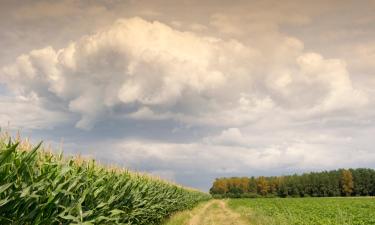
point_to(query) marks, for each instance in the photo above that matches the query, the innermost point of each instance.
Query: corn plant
(43, 188)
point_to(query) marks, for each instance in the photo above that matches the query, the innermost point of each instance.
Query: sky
(192, 90)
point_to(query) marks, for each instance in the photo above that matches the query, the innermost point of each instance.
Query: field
(280, 211)
(306, 211)
(37, 187)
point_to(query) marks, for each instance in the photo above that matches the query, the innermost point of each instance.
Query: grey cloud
(27, 113)
(220, 159)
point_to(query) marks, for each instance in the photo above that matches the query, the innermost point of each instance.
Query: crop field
(306, 211)
(37, 187)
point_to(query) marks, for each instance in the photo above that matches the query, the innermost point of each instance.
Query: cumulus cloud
(153, 71)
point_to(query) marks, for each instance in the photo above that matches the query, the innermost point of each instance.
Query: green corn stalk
(41, 188)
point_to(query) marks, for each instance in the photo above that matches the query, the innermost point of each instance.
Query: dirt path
(195, 220)
(216, 212)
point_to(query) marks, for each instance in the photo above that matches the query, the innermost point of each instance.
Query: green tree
(252, 185)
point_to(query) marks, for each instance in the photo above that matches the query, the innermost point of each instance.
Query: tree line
(342, 182)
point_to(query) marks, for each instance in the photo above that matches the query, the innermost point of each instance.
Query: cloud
(27, 113)
(198, 27)
(230, 136)
(362, 57)
(234, 153)
(153, 71)
(258, 18)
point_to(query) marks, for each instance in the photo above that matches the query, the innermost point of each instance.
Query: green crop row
(42, 188)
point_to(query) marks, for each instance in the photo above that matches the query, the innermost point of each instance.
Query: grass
(306, 211)
(38, 187)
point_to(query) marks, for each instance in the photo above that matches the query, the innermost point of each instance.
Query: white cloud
(181, 76)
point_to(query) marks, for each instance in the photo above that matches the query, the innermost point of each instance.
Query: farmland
(280, 211)
(306, 211)
(38, 187)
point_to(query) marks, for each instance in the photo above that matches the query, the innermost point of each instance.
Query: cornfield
(37, 187)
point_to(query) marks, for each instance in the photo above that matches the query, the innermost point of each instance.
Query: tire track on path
(216, 212)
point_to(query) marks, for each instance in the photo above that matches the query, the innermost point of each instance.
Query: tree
(219, 186)
(243, 184)
(262, 185)
(346, 182)
(272, 185)
(282, 188)
(252, 185)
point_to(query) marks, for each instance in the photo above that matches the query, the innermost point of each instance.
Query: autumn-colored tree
(262, 185)
(346, 182)
(244, 183)
(219, 186)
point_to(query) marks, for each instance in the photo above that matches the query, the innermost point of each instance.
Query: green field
(306, 211)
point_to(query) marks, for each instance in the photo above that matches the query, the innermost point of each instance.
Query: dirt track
(216, 212)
